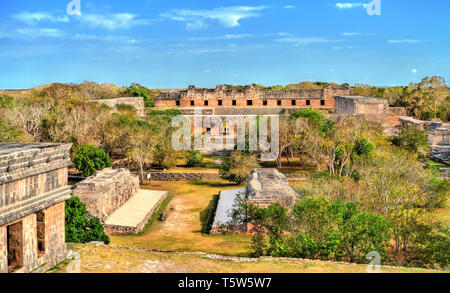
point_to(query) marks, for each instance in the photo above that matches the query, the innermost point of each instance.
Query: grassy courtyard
(185, 215)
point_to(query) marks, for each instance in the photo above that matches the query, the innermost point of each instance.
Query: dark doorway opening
(40, 222)
(15, 246)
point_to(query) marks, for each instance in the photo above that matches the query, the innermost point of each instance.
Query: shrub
(194, 158)
(318, 229)
(237, 167)
(7, 102)
(89, 159)
(125, 107)
(9, 133)
(412, 138)
(79, 228)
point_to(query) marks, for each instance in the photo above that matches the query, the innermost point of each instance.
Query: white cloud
(33, 33)
(306, 41)
(338, 48)
(289, 7)
(414, 71)
(224, 37)
(348, 5)
(226, 16)
(33, 18)
(351, 34)
(112, 21)
(404, 41)
(107, 38)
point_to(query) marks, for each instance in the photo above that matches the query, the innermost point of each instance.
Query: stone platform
(224, 207)
(132, 217)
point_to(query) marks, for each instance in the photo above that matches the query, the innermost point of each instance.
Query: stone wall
(106, 191)
(3, 250)
(33, 179)
(162, 176)
(357, 105)
(223, 96)
(55, 247)
(136, 102)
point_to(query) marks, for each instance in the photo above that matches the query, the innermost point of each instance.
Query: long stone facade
(33, 188)
(223, 97)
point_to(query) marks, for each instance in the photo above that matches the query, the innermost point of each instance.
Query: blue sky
(172, 44)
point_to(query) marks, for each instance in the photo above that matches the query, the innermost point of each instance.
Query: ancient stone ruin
(106, 191)
(136, 102)
(265, 187)
(268, 186)
(33, 188)
(114, 196)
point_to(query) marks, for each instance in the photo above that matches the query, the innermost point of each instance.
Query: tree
(89, 159)
(237, 167)
(79, 228)
(428, 95)
(194, 158)
(412, 139)
(140, 145)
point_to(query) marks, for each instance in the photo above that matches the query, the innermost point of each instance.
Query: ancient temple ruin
(33, 188)
(265, 187)
(114, 196)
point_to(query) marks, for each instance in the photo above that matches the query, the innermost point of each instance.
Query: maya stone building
(224, 100)
(33, 188)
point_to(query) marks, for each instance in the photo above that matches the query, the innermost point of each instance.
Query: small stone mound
(268, 186)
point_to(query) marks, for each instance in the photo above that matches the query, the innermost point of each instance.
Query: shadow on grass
(207, 215)
(211, 183)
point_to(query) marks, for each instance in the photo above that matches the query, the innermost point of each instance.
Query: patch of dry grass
(99, 259)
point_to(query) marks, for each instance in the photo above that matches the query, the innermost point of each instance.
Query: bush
(413, 139)
(318, 229)
(80, 229)
(89, 159)
(237, 167)
(7, 102)
(194, 158)
(9, 133)
(125, 107)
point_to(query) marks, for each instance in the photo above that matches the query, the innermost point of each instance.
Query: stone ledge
(17, 211)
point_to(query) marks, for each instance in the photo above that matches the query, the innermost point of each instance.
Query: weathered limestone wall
(106, 191)
(55, 246)
(3, 250)
(33, 179)
(356, 105)
(136, 102)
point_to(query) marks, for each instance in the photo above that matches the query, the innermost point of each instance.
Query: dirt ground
(99, 259)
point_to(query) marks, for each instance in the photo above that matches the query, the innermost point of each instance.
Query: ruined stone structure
(268, 186)
(265, 187)
(136, 102)
(106, 191)
(358, 105)
(33, 188)
(225, 100)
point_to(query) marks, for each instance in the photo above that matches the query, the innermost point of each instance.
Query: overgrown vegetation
(237, 167)
(90, 159)
(79, 228)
